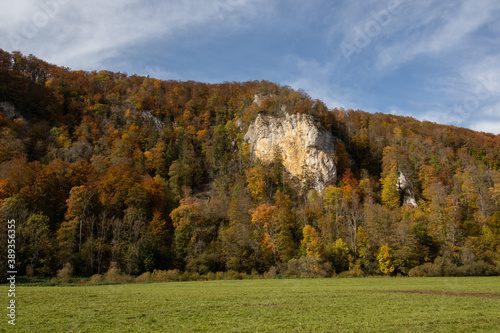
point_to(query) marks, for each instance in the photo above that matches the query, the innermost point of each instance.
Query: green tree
(338, 255)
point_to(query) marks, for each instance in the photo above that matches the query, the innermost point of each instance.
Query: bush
(144, 277)
(190, 276)
(96, 278)
(427, 269)
(161, 276)
(354, 271)
(115, 275)
(173, 275)
(164, 276)
(272, 273)
(308, 266)
(255, 274)
(65, 273)
(232, 275)
(478, 268)
(443, 267)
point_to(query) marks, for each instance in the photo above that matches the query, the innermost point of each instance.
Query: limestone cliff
(405, 187)
(303, 145)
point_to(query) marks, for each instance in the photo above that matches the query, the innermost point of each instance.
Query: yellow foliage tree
(257, 183)
(310, 244)
(264, 218)
(384, 257)
(390, 194)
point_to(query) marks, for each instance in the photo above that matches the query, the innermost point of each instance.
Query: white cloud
(83, 34)
(441, 28)
(317, 79)
(492, 110)
(432, 59)
(487, 126)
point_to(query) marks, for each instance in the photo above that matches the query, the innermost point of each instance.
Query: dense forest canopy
(103, 169)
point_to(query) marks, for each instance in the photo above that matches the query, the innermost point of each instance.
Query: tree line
(108, 170)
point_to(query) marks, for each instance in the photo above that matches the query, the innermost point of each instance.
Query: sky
(435, 60)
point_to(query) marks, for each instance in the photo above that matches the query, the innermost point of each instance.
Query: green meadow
(465, 304)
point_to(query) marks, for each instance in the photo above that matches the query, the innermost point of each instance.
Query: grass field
(294, 305)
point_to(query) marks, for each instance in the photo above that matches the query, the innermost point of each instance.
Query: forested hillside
(104, 169)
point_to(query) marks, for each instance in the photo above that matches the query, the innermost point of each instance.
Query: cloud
(84, 34)
(487, 126)
(432, 28)
(317, 79)
(431, 59)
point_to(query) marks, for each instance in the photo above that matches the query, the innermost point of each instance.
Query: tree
(79, 207)
(390, 194)
(240, 240)
(196, 233)
(338, 255)
(363, 246)
(310, 244)
(256, 180)
(285, 241)
(264, 218)
(334, 205)
(385, 260)
(36, 249)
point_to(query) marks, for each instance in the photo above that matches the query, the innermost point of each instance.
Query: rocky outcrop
(405, 188)
(305, 148)
(157, 123)
(8, 109)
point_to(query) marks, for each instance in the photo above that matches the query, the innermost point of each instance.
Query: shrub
(427, 269)
(272, 273)
(144, 277)
(190, 276)
(308, 266)
(232, 275)
(159, 276)
(354, 271)
(444, 267)
(96, 278)
(65, 273)
(171, 275)
(477, 268)
(115, 275)
(255, 274)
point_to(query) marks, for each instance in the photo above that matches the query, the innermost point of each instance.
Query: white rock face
(302, 144)
(406, 188)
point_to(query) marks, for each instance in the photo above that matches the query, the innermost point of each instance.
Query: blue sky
(437, 60)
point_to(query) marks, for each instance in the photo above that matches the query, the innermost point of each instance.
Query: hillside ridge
(109, 171)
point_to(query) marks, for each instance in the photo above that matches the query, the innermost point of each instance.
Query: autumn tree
(385, 260)
(256, 180)
(310, 243)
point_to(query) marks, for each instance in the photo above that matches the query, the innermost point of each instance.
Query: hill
(103, 169)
